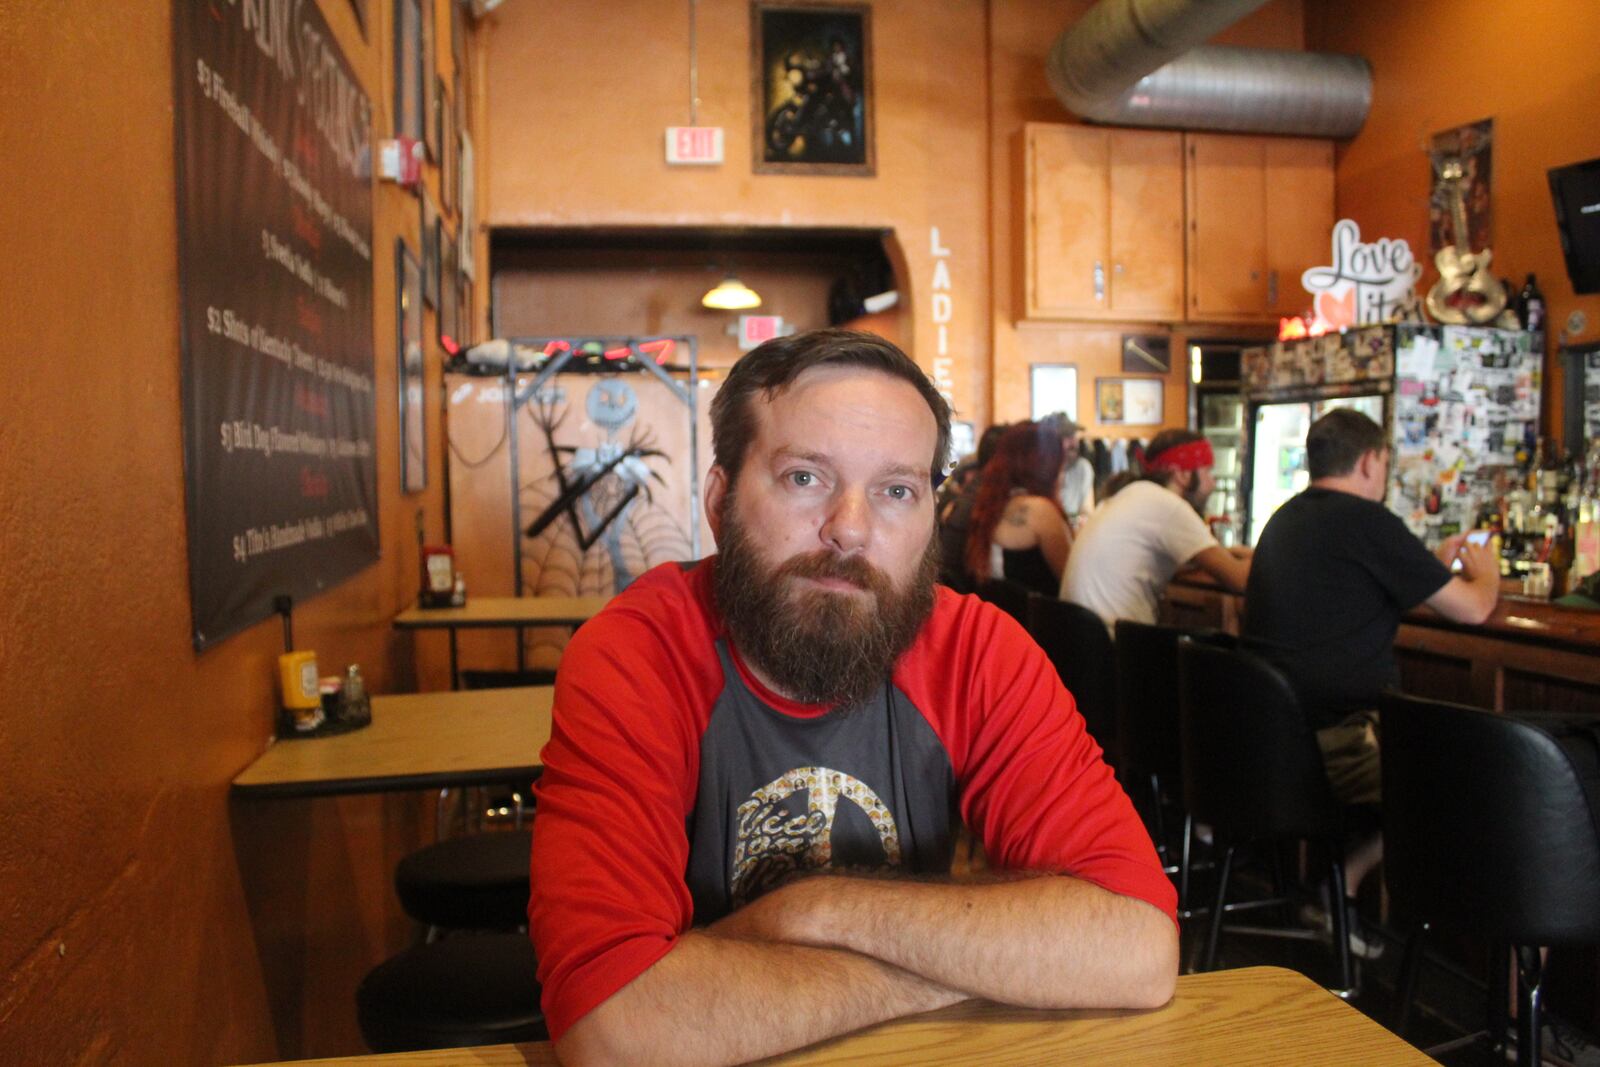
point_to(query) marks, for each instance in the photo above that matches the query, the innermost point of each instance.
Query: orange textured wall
(1440, 63)
(579, 97)
(1021, 33)
(146, 918)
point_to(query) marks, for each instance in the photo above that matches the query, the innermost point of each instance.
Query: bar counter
(1529, 655)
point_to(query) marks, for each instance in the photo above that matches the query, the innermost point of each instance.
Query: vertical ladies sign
(275, 250)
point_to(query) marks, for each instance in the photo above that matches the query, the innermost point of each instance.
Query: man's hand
(1471, 596)
(1478, 562)
(1449, 548)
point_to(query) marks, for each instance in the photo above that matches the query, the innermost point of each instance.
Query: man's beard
(1195, 497)
(817, 646)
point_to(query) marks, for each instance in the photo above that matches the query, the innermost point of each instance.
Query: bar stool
(472, 882)
(1149, 752)
(1487, 828)
(474, 989)
(1077, 643)
(1253, 771)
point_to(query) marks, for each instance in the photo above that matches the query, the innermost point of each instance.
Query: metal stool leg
(1410, 966)
(1214, 933)
(1158, 818)
(1183, 865)
(1530, 994)
(1341, 921)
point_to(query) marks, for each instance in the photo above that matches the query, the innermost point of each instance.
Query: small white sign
(756, 329)
(699, 145)
(1367, 282)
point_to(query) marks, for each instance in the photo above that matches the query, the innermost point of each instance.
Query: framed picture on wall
(811, 88)
(449, 294)
(430, 80)
(1053, 387)
(408, 69)
(449, 165)
(1128, 401)
(430, 249)
(408, 351)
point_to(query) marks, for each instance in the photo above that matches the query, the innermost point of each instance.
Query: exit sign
(694, 144)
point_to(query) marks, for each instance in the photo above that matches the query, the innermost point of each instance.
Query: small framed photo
(430, 81)
(1146, 353)
(811, 88)
(1128, 401)
(1053, 387)
(408, 69)
(449, 295)
(430, 249)
(408, 345)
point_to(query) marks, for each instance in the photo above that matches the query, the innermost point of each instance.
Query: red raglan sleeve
(610, 843)
(1034, 786)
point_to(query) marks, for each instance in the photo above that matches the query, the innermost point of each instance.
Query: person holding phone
(1334, 571)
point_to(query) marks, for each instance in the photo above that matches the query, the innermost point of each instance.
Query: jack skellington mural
(606, 483)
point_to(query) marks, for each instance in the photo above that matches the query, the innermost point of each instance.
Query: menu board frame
(273, 145)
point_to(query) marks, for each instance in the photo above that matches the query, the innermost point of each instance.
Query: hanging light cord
(694, 69)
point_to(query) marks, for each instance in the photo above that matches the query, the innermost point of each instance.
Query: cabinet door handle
(1099, 280)
(1272, 288)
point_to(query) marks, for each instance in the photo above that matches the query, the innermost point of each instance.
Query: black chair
(1149, 753)
(1487, 828)
(476, 989)
(1010, 597)
(1079, 646)
(1253, 771)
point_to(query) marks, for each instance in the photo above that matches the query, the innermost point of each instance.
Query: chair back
(1486, 825)
(1077, 643)
(1251, 765)
(1010, 597)
(1147, 697)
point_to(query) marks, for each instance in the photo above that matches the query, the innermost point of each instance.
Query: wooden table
(419, 741)
(491, 612)
(1257, 1015)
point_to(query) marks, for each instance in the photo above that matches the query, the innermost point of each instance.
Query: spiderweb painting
(603, 486)
(574, 476)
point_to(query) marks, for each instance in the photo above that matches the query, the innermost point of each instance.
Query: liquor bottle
(1586, 532)
(1530, 304)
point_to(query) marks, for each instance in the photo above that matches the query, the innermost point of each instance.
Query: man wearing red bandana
(1135, 542)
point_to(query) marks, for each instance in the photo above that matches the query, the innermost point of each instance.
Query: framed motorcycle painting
(811, 88)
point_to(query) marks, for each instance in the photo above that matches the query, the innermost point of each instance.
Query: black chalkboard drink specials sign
(275, 243)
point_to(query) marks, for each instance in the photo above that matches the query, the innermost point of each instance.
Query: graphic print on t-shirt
(774, 839)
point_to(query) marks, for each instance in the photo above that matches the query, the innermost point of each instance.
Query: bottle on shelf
(1586, 527)
(1530, 304)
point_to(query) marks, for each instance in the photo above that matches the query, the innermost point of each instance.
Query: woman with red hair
(1018, 530)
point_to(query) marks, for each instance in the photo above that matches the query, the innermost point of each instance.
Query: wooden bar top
(1252, 1016)
(1516, 618)
(501, 611)
(417, 741)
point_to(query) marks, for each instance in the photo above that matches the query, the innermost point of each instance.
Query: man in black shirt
(1334, 570)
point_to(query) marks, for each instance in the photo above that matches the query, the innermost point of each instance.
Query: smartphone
(1475, 537)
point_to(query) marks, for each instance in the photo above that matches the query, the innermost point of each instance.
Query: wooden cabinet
(1103, 216)
(1260, 212)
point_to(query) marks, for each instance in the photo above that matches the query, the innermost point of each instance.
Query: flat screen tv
(1576, 191)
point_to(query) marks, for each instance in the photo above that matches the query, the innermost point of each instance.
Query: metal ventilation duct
(1136, 63)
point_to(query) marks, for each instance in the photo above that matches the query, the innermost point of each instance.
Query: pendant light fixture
(731, 294)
